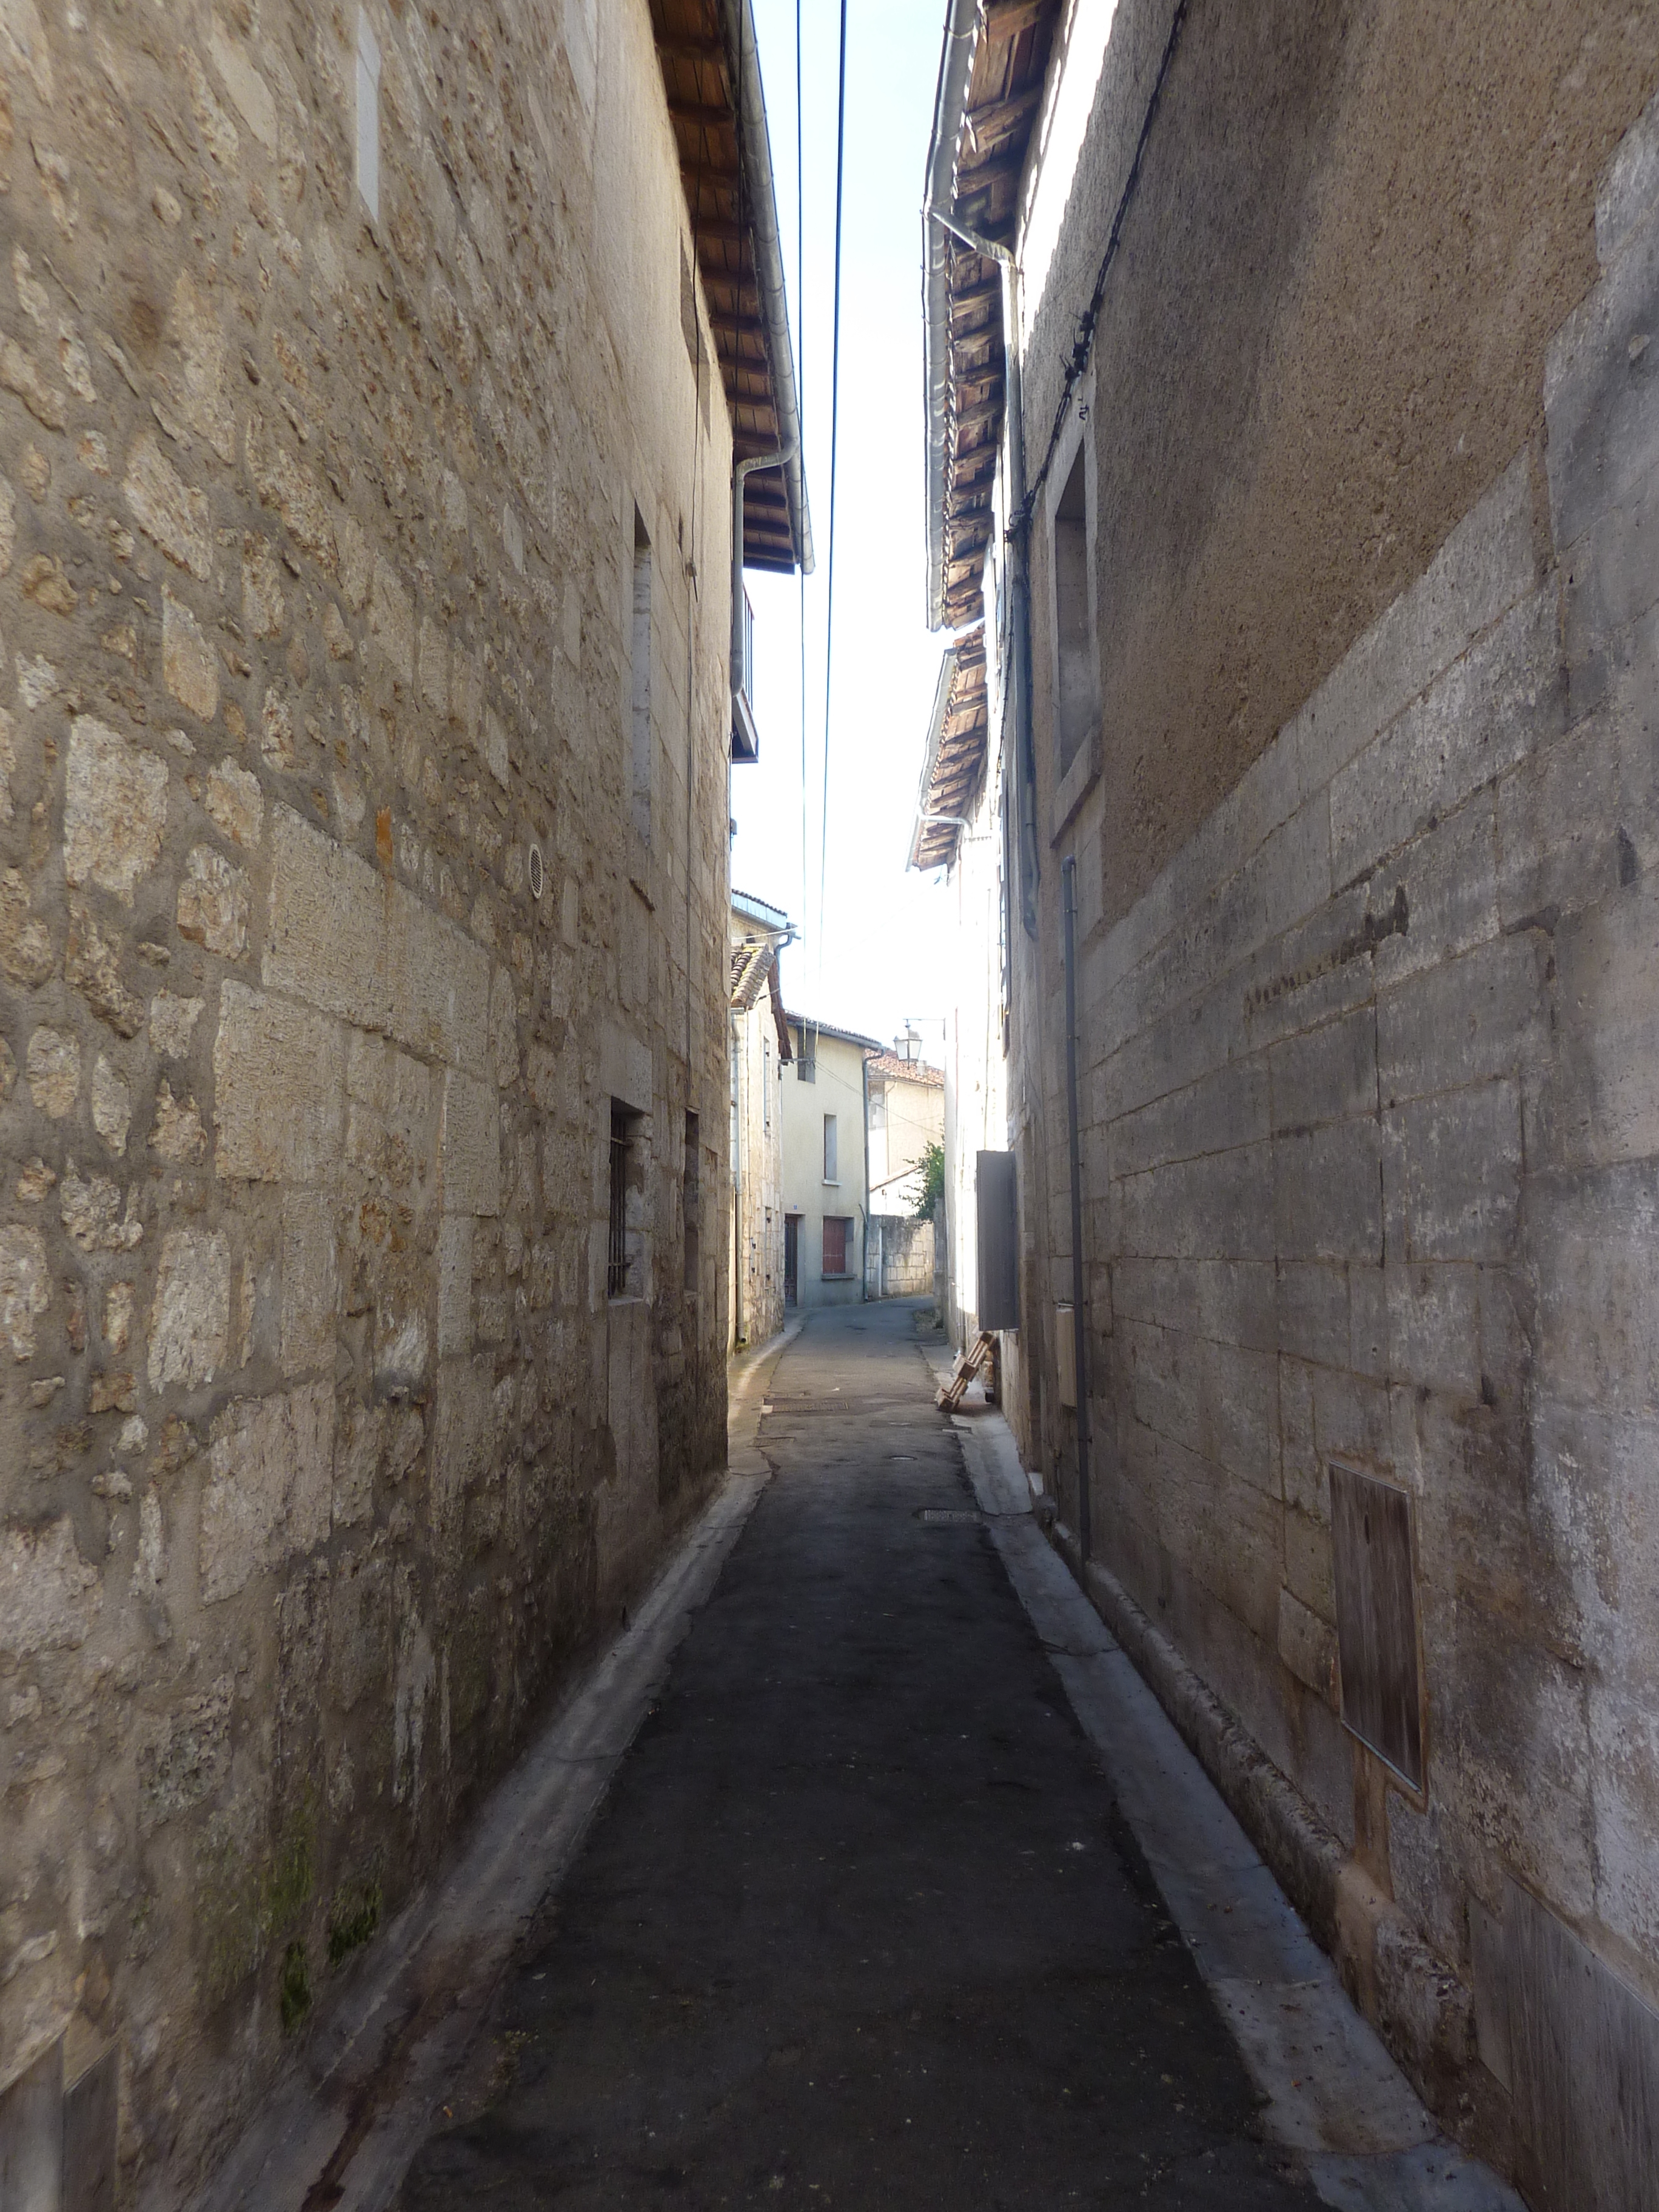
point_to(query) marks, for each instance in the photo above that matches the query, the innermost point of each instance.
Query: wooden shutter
(834, 1246)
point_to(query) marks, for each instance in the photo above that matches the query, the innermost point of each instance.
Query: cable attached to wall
(1078, 360)
(834, 453)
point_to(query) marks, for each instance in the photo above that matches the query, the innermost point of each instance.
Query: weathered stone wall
(322, 1443)
(754, 1225)
(900, 1261)
(1369, 1053)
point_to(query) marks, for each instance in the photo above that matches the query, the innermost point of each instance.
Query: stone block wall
(330, 925)
(900, 1256)
(1372, 1172)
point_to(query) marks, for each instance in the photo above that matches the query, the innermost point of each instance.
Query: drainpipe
(736, 1187)
(864, 1268)
(1079, 1319)
(741, 472)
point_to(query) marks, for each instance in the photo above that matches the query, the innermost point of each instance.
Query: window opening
(1074, 705)
(807, 1055)
(835, 1227)
(829, 1173)
(692, 1196)
(619, 1258)
(641, 656)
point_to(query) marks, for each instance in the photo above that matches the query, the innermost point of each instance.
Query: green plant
(931, 1165)
(294, 1990)
(354, 1918)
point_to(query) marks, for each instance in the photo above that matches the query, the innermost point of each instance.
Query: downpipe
(1079, 1320)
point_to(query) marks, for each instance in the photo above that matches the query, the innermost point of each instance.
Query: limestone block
(25, 950)
(115, 808)
(353, 942)
(49, 1596)
(176, 1132)
(52, 1065)
(360, 1630)
(112, 1106)
(288, 485)
(1467, 1021)
(494, 746)
(278, 1075)
(263, 609)
(1326, 1074)
(403, 1344)
(359, 1444)
(190, 1317)
(1328, 1192)
(213, 903)
(435, 667)
(117, 1316)
(504, 1028)
(186, 1757)
(462, 1436)
(1501, 701)
(246, 88)
(190, 667)
(455, 1285)
(469, 1151)
(93, 1213)
(1194, 1209)
(1307, 1644)
(1484, 567)
(269, 1492)
(1603, 1091)
(172, 1024)
(1452, 1174)
(1220, 1110)
(25, 1288)
(92, 966)
(392, 621)
(1313, 1310)
(166, 510)
(310, 1281)
(1594, 1240)
(391, 1117)
(355, 561)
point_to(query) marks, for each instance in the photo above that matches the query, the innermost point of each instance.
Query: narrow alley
(861, 1923)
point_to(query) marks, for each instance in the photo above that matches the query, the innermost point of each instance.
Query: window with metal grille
(618, 1267)
(807, 1055)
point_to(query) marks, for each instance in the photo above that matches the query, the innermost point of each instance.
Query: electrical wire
(800, 387)
(834, 453)
(1084, 345)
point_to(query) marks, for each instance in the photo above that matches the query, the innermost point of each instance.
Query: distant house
(760, 1052)
(826, 1168)
(907, 1115)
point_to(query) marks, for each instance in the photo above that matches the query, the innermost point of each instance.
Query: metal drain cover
(949, 1516)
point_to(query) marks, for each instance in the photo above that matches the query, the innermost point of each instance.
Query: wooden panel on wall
(1585, 2065)
(1377, 1619)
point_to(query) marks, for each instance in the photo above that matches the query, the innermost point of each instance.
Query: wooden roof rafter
(705, 49)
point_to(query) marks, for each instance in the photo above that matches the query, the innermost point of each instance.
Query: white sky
(880, 951)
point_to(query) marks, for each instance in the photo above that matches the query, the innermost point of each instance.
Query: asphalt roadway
(859, 1925)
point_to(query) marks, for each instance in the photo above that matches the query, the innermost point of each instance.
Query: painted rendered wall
(838, 1089)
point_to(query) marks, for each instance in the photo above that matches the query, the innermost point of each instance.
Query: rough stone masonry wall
(1374, 1162)
(318, 1442)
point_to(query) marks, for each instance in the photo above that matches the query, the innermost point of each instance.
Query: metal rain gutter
(756, 151)
(949, 102)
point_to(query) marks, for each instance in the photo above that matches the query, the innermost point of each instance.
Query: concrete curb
(1424, 2012)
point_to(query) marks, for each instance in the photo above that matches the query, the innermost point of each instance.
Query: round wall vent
(538, 872)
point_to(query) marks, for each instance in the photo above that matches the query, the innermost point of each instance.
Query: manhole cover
(948, 1517)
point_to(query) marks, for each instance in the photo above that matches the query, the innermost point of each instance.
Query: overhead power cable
(835, 451)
